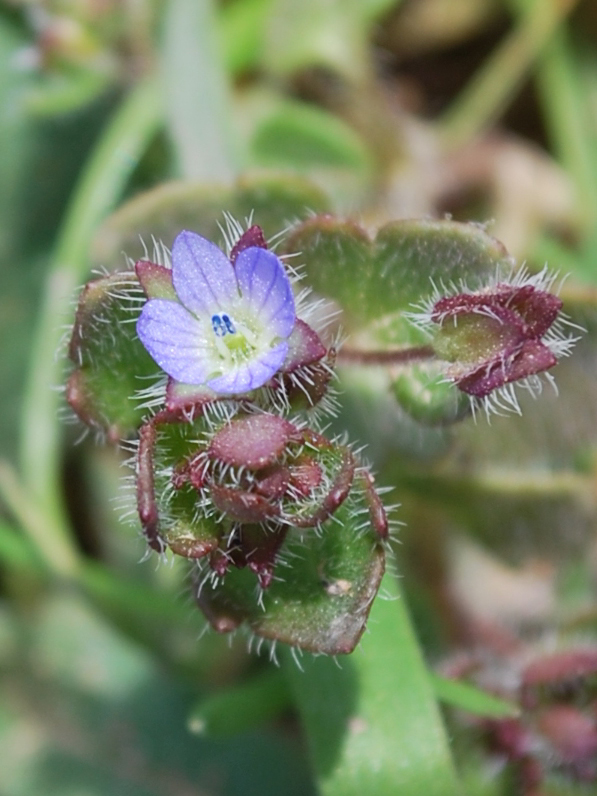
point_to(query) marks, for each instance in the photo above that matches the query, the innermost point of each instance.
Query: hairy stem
(402, 356)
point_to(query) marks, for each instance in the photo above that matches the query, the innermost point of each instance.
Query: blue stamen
(229, 325)
(218, 326)
(222, 325)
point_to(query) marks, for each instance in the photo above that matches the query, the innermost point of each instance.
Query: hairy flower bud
(200, 486)
(509, 332)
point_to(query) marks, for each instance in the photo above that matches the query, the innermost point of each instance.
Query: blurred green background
(482, 110)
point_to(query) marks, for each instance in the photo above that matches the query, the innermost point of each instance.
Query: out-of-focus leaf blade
(467, 697)
(301, 135)
(372, 279)
(372, 723)
(241, 707)
(273, 202)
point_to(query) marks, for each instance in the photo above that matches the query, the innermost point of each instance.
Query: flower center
(234, 340)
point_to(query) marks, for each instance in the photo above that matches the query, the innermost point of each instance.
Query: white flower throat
(234, 340)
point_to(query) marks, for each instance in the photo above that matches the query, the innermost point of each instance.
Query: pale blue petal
(176, 340)
(202, 275)
(266, 290)
(252, 374)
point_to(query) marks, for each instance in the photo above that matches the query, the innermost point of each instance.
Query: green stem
(58, 554)
(197, 94)
(494, 84)
(102, 181)
(569, 123)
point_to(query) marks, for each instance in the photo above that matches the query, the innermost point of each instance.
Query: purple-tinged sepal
(506, 334)
(252, 237)
(155, 279)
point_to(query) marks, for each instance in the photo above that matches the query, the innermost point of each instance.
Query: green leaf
(374, 280)
(302, 135)
(241, 707)
(321, 598)
(79, 649)
(197, 96)
(333, 34)
(427, 397)
(243, 23)
(160, 214)
(16, 552)
(187, 531)
(113, 159)
(110, 360)
(467, 697)
(105, 718)
(372, 723)
(67, 91)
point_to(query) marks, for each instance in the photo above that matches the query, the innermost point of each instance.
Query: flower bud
(231, 491)
(509, 332)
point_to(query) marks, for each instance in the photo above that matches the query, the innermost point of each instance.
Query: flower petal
(203, 276)
(251, 374)
(266, 290)
(176, 340)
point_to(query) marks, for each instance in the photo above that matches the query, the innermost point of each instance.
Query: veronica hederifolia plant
(284, 525)
(233, 469)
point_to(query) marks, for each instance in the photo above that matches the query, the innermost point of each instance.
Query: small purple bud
(306, 476)
(336, 493)
(506, 333)
(241, 505)
(273, 482)
(572, 736)
(253, 441)
(532, 357)
(304, 347)
(565, 670)
(260, 546)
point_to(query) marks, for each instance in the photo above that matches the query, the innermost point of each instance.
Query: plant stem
(197, 93)
(402, 356)
(52, 544)
(106, 173)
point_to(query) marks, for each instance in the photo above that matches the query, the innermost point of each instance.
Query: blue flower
(230, 326)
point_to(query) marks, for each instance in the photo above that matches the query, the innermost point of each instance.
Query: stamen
(228, 323)
(222, 325)
(218, 326)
